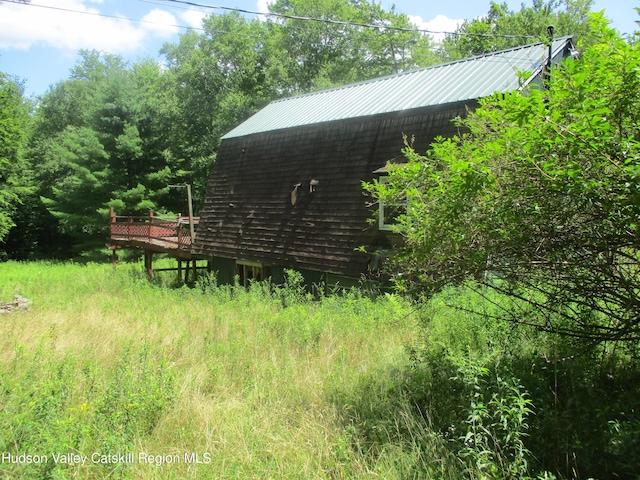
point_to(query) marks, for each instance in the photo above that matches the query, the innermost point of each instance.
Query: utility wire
(98, 14)
(341, 22)
(270, 14)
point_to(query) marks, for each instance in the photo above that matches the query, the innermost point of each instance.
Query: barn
(286, 188)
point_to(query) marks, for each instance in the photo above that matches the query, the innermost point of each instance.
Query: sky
(39, 42)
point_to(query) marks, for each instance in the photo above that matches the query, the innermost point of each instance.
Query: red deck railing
(166, 232)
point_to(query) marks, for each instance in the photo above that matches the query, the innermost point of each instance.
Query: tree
(215, 80)
(337, 50)
(539, 201)
(13, 123)
(502, 28)
(98, 141)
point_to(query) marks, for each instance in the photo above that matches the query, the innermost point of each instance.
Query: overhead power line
(98, 14)
(342, 22)
(268, 14)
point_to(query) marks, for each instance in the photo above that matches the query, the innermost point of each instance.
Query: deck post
(112, 218)
(112, 221)
(179, 269)
(148, 262)
(150, 224)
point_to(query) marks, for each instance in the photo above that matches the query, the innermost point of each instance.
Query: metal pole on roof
(550, 56)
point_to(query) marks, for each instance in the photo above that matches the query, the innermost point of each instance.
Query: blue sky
(39, 44)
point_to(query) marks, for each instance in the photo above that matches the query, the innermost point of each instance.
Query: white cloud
(25, 26)
(263, 5)
(440, 23)
(161, 22)
(193, 17)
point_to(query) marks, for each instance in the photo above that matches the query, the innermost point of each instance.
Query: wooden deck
(154, 234)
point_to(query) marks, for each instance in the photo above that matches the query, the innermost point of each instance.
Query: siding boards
(248, 214)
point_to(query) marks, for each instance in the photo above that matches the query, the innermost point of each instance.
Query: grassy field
(245, 385)
(109, 375)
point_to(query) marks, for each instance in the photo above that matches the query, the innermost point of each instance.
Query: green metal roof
(466, 79)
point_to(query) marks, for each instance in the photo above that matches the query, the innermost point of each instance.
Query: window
(248, 272)
(389, 213)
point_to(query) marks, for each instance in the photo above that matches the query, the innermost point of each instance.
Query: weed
(270, 382)
(496, 423)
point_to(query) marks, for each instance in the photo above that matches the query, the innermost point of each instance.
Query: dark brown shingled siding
(248, 215)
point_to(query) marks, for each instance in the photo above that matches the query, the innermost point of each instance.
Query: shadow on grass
(446, 418)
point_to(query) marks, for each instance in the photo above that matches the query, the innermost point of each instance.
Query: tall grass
(251, 386)
(223, 382)
(523, 403)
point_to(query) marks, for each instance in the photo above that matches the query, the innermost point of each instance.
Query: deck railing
(169, 232)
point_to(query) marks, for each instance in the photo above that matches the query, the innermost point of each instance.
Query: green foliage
(496, 424)
(294, 290)
(538, 200)
(227, 371)
(214, 80)
(135, 398)
(536, 403)
(97, 142)
(35, 235)
(503, 28)
(58, 404)
(13, 125)
(222, 76)
(323, 387)
(322, 54)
